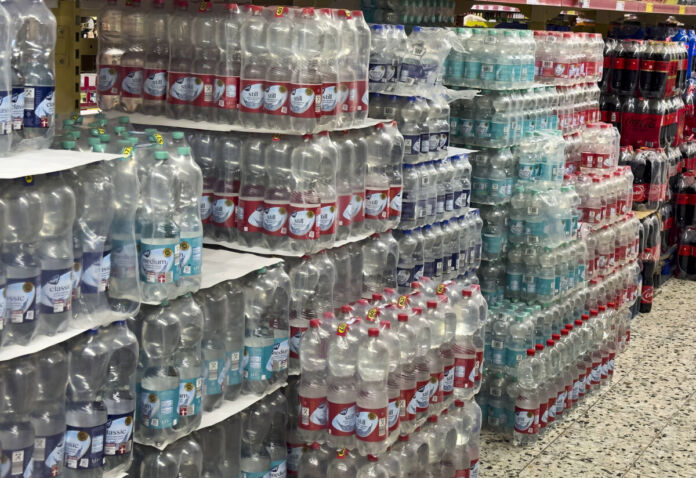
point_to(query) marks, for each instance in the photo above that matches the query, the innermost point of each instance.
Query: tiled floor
(644, 426)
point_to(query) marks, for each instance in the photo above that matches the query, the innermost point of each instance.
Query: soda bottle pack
(27, 76)
(409, 12)
(566, 58)
(279, 69)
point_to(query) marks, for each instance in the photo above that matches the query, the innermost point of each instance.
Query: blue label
(482, 129)
(472, 70)
(279, 469)
(234, 371)
(119, 434)
(17, 463)
(466, 128)
(105, 269)
(56, 291)
(456, 201)
(190, 396)
(39, 106)
(429, 269)
(91, 272)
(84, 447)
(425, 143)
(544, 287)
(408, 206)
(417, 272)
(76, 278)
(5, 113)
(513, 281)
(158, 263)
(158, 408)
(278, 361)
(213, 376)
(492, 245)
(378, 72)
(48, 455)
(191, 256)
(454, 261)
(17, 108)
(412, 144)
(503, 73)
(20, 300)
(411, 72)
(499, 130)
(255, 360)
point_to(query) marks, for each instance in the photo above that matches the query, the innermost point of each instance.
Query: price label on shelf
(619, 6)
(682, 9)
(585, 4)
(648, 8)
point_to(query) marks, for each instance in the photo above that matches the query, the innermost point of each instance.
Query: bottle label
(232, 364)
(251, 95)
(465, 370)
(158, 409)
(17, 463)
(250, 214)
(440, 202)
(407, 405)
(462, 473)
(17, 108)
(371, 424)
(213, 376)
(183, 88)
(345, 212)
(434, 390)
(393, 414)
(5, 113)
(190, 396)
(105, 271)
(48, 456)
(487, 71)
(295, 451)
(124, 259)
(357, 205)
(224, 210)
(155, 85)
(119, 434)
(279, 469)
(295, 338)
(412, 144)
(204, 93)
(132, 82)
(39, 106)
(20, 300)
(226, 92)
(341, 419)
(56, 291)
(395, 198)
(278, 360)
(84, 447)
(376, 204)
(329, 99)
(524, 420)
(422, 396)
(92, 271)
(255, 361)
(275, 99)
(302, 222)
(363, 96)
(447, 383)
(108, 83)
(305, 100)
(275, 216)
(158, 263)
(404, 276)
(327, 219)
(191, 256)
(314, 413)
(206, 206)
(378, 72)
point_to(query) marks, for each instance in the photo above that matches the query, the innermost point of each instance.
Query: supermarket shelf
(111, 474)
(454, 151)
(76, 327)
(43, 161)
(643, 214)
(227, 410)
(268, 252)
(611, 5)
(163, 121)
(220, 265)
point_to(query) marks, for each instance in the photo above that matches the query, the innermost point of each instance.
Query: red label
(631, 64)
(313, 413)
(224, 210)
(647, 65)
(305, 100)
(358, 207)
(363, 99)
(647, 295)
(251, 95)
(275, 218)
(303, 221)
(230, 94)
(560, 70)
(422, 391)
(250, 214)
(593, 215)
(551, 407)
(329, 99)
(618, 63)
(568, 398)
(525, 420)
(371, 424)
(155, 85)
(465, 371)
(603, 367)
(638, 129)
(393, 414)
(447, 381)
(205, 90)
(684, 250)
(395, 201)
(543, 414)
(348, 93)
(341, 419)
(662, 66)
(109, 80)
(376, 203)
(436, 379)
(461, 474)
(345, 211)
(131, 81)
(638, 193)
(295, 338)
(327, 219)
(683, 198)
(182, 88)
(407, 405)
(276, 98)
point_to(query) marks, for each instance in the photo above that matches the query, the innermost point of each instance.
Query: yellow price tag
(101, 130)
(682, 9)
(402, 302)
(648, 8)
(371, 314)
(440, 289)
(127, 151)
(159, 139)
(74, 117)
(28, 179)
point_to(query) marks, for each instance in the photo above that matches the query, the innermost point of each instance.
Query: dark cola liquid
(687, 253)
(654, 70)
(626, 67)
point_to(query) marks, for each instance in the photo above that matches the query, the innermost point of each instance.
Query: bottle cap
(328, 315)
(556, 336)
(459, 403)
(314, 323)
(564, 332)
(389, 290)
(416, 285)
(183, 150)
(466, 293)
(373, 332)
(432, 304)
(315, 446)
(569, 327)
(578, 322)
(593, 313)
(404, 437)
(602, 308)
(402, 317)
(372, 458)
(385, 324)
(346, 309)
(612, 305)
(530, 352)
(418, 310)
(432, 418)
(377, 297)
(363, 302)
(539, 347)
(550, 342)
(585, 317)
(161, 155)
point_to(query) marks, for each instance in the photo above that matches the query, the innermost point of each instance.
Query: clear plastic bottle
(279, 46)
(305, 203)
(6, 41)
(228, 69)
(313, 387)
(156, 63)
(181, 85)
(234, 339)
(206, 51)
(372, 403)
(133, 27)
(227, 168)
(255, 459)
(341, 389)
(255, 64)
(109, 56)
(214, 303)
(252, 188)
(258, 335)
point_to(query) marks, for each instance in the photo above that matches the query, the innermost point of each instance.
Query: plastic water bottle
(250, 210)
(188, 362)
(343, 465)
(120, 396)
(234, 339)
(277, 441)
(372, 402)
(109, 56)
(279, 314)
(86, 413)
(255, 64)
(341, 388)
(48, 416)
(181, 85)
(226, 188)
(304, 210)
(17, 432)
(233, 441)
(6, 41)
(23, 220)
(133, 28)
(159, 232)
(156, 62)
(277, 194)
(229, 30)
(159, 381)
(313, 387)
(326, 185)
(527, 401)
(205, 63)
(214, 303)
(258, 336)
(255, 459)
(212, 444)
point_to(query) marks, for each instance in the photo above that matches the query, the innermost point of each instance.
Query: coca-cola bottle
(640, 186)
(605, 82)
(626, 63)
(687, 254)
(651, 255)
(610, 104)
(685, 200)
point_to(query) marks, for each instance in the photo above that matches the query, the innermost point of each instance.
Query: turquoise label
(255, 361)
(159, 263)
(234, 371)
(513, 280)
(214, 376)
(472, 70)
(191, 256)
(190, 395)
(158, 408)
(544, 287)
(499, 130)
(278, 361)
(503, 73)
(492, 245)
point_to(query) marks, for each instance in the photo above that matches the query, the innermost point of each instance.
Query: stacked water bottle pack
(27, 75)
(410, 12)
(279, 68)
(377, 372)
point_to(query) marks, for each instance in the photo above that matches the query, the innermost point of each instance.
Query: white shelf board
(268, 252)
(220, 265)
(454, 151)
(151, 120)
(118, 474)
(76, 327)
(43, 161)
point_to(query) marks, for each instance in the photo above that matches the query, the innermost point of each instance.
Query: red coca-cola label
(131, 82)
(224, 210)
(646, 296)
(638, 129)
(358, 205)
(250, 214)
(305, 100)
(229, 99)
(462, 474)
(295, 338)
(303, 221)
(631, 64)
(341, 419)
(407, 405)
(376, 203)
(465, 371)
(313, 413)
(395, 200)
(639, 193)
(618, 63)
(276, 98)
(655, 192)
(436, 379)
(327, 218)
(662, 66)
(363, 98)
(525, 420)
(205, 88)
(647, 65)
(685, 250)
(371, 424)
(345, 210)
(251, 95)
(275, 218)
(109, 80)
(155, 84)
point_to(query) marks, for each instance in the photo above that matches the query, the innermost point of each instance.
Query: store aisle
(644, 425)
